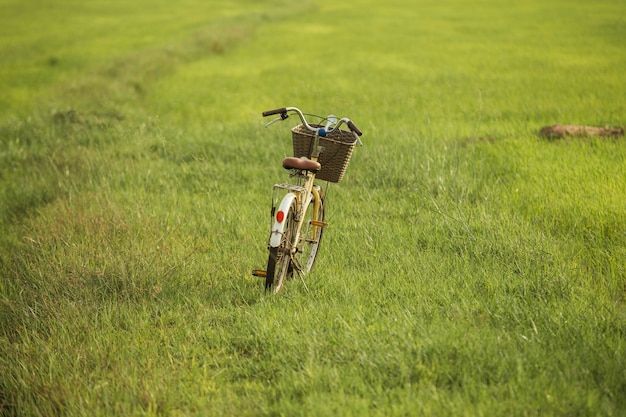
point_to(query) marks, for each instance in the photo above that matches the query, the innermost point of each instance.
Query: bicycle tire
(279, 260)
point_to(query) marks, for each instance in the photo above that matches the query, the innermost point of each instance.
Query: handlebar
(353, 128)
(283, 111)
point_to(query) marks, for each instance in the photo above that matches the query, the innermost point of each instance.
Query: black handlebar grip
(276, 111)
(355, 129)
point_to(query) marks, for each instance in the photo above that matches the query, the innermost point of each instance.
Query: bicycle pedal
(318, 224)
(259, 273)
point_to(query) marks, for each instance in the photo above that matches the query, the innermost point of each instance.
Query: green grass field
(470, 266)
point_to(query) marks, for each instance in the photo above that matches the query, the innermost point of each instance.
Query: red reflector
(280, 216)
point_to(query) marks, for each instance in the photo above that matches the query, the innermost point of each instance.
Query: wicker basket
(335, 156)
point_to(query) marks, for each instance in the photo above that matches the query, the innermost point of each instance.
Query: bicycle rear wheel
(279, 264)
(283, 261)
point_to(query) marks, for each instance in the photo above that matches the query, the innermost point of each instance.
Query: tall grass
(469, 267)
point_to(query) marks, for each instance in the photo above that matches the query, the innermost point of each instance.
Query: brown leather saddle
(302, 163)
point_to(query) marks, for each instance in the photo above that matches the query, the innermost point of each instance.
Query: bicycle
(322, 151)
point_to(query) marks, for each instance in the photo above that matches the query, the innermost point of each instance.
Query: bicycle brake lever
(358, 139)
(278, 119)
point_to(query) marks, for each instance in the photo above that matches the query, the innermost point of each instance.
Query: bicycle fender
(279, 227)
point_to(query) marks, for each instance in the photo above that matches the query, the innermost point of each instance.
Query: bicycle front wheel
(310, 238)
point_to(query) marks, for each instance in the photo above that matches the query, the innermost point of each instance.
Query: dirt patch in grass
(563, 131)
